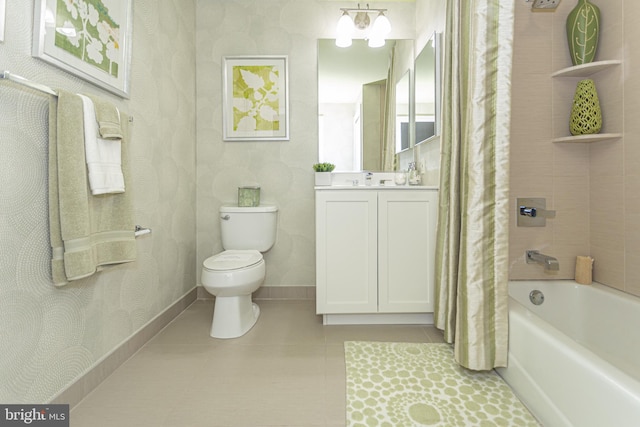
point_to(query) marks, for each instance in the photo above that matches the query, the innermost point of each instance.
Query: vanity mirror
(403, 113)
(427, 90)
(352, 98)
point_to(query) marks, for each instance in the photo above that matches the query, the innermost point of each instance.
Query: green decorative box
(248, 196)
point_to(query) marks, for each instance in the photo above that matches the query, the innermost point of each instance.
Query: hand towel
(103, 156)
(87, 232)
(108, 117)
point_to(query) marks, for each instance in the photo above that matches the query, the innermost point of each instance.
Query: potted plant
(323, 173)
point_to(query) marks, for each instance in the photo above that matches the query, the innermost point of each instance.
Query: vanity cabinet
(375, 255)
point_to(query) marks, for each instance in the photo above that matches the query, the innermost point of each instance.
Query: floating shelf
(585, 70)
(589, 138)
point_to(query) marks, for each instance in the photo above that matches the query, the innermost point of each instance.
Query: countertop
(374, 187)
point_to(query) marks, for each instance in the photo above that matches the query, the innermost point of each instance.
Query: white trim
(378, 319)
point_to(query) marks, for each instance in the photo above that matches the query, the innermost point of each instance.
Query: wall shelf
(585, 70)
(588, 138)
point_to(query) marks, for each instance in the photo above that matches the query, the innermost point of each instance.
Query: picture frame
(88, 39)
(255, 98)
(3, 5)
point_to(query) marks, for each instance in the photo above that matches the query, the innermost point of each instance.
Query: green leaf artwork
(256, 98)
(87, 31)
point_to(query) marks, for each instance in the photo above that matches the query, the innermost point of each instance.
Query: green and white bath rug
(404, 385)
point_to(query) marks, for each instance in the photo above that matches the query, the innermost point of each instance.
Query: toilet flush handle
(226, 217)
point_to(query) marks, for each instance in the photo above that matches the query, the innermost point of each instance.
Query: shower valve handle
(536, 212)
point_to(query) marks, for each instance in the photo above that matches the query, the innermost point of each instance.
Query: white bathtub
(574, 360)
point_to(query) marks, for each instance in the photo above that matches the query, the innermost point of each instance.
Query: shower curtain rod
(25, 82)
(7, 75)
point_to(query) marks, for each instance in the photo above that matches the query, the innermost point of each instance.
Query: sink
(358, 181)
(362, 179)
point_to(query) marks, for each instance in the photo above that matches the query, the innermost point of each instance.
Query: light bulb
(344, 30)
(343, 41)
(381, 26)
(376, 41)
(345, 26)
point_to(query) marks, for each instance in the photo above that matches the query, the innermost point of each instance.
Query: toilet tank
(248, 227)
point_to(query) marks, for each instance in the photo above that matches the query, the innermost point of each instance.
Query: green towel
(87, 232)
(108, 118)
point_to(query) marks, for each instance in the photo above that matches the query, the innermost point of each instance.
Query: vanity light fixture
(348, 27)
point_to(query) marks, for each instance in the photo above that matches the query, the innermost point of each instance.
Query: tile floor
(287, 371)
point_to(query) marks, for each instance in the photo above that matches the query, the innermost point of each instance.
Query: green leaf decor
(583, 28)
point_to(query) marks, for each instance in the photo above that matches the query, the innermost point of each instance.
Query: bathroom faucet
(550, 263)
(367, 178)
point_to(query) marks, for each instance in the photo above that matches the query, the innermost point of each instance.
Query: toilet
(234, 274)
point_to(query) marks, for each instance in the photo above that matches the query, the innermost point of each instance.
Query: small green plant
(324, 167)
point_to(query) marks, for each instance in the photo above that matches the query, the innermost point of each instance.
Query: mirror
(351, 97)
(403, 111)
(427, 90)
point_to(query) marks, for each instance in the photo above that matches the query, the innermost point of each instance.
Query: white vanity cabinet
(375, 254)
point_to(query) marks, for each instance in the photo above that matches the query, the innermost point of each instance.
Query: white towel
(104, 161)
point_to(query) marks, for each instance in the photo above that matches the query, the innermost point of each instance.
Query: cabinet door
(346, 251)
(406, 245)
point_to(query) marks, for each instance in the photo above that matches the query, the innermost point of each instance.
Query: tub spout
(550, 263)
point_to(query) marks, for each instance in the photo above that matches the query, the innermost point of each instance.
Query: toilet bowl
(232, 276)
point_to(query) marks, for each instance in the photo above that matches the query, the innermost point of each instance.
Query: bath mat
(404, 384)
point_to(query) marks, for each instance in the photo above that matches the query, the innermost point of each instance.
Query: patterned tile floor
(289, 370)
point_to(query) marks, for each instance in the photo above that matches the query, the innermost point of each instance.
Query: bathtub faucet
(550, 263)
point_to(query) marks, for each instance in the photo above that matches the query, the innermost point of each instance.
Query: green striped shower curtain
(471, 303)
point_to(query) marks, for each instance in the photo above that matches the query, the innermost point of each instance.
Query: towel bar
(7, 75)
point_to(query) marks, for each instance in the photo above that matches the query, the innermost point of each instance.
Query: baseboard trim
(273, 293)
(81, 387)
(378, 319)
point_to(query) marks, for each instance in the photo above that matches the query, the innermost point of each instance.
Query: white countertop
(375, 187)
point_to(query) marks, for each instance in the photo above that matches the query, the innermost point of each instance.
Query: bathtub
(574, 360)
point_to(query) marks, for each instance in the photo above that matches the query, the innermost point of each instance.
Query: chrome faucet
(550, 263)
(367, 178)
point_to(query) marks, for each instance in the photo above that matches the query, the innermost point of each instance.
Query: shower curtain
(471, 303)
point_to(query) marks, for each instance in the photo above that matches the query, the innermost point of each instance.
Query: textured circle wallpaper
(182, 172)
(49, 336)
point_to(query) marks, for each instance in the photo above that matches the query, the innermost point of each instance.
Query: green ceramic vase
(583, 30)
(586, 116)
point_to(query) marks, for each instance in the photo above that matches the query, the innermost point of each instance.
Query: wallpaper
(49, 336)
(182, 172)
(282, 169)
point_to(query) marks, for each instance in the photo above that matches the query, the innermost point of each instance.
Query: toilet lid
(232, 260)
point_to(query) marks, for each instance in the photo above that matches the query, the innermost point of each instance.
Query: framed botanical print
(255, 98)
(2, 13)
(88, 38)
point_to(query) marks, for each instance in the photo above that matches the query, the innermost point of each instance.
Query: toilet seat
(232, 260)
